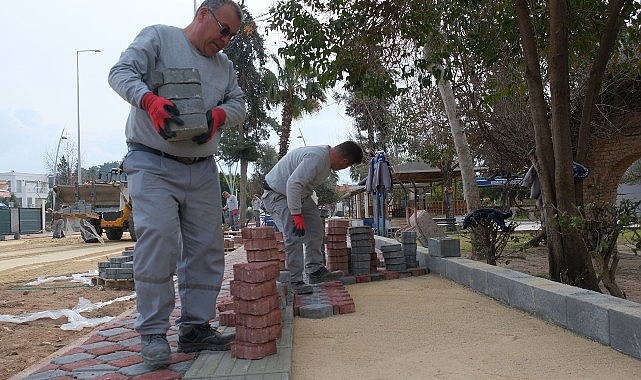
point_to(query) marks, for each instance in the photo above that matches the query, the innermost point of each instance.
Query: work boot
(323, 275)
(155, 350)
(204, 338)
(300, 287)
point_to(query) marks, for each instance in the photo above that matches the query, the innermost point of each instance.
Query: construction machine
(101, 205)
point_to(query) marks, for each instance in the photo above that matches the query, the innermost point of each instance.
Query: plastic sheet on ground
(76, 321)
(83, 278)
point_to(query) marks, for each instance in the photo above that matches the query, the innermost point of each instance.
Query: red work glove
(160, 110)
(235, 212)
(215, 118)
(299, 225)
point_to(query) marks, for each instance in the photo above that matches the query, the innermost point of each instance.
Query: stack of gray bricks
(118, 268)
(183, 88)
(408, 240)
(394, 257)
(362, 250)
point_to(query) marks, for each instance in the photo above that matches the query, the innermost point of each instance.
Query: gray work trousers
(177, 214)
(297, 260)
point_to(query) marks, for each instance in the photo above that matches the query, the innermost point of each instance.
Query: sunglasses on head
(224, 30)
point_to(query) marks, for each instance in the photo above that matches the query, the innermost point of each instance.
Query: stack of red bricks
(337, 258)
(280, 246)
(256, 304)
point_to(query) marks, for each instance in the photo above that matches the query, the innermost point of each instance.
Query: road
(36, 250)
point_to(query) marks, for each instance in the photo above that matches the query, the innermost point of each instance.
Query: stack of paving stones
(280, 246)
(408, 241)
(257, 308)
(183, 88)
(362, 258)
(337, 257)
(394, 258)
(118, 272)
(329, 298)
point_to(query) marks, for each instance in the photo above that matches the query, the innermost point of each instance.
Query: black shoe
(323, 275)
(300, 287)
(204, 338)
(155, 350)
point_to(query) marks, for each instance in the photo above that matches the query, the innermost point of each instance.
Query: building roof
(419, 172)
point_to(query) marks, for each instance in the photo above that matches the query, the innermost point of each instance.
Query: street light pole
(301, 137)
(55, 169)
(78, 105)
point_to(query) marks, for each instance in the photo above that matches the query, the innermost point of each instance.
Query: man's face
(218, 28)
(341, 163)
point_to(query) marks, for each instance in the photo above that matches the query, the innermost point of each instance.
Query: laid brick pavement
(111, 351)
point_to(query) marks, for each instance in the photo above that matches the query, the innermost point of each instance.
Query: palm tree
(296, 93)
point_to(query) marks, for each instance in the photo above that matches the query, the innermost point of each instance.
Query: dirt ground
(22, 345)
(25, 344)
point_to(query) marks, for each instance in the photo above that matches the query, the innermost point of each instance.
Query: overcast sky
(38, 79)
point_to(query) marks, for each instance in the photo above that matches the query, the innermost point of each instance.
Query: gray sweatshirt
(298, 173)
(159, 47)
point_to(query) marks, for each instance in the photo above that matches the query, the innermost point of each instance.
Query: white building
(32, 190)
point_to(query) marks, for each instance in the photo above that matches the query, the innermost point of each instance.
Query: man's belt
(182, 160)
(266, 186)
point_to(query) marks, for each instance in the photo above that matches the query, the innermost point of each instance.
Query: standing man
(288, 198)
(257, 205)
(174, 185)
(232, 210)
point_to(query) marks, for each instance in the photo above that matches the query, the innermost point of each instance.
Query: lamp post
(78, 105)
(55, 169)
(301, 137)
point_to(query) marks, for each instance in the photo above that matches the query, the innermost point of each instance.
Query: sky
(39, 71)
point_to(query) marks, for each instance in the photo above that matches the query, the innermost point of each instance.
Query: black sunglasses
(224, 30)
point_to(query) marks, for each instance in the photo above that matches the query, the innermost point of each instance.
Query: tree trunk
(286, 129)
(568, 257)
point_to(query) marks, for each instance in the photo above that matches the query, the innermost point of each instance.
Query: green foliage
(601, 224)
(326, 191)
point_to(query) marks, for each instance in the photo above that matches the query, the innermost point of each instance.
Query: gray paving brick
(93, 372)
(46, 375)
(72, 358)
(114, 331)
(444, 247)
(316, 311)
(96, 345)
(134, 370)
(116, 356)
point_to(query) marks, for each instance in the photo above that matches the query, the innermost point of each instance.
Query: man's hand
(215, 118)
(299, 225)
(160, 110)
(235, 212)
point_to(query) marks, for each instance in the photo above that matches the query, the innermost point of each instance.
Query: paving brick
(105, 350)
(258, 233)
(259, 321)
(337, 230)
(253, 351)
(123, 337)
(390, 275)
(247, 291)
(444, 247)
(347, 307)
(363, 278)
(259, 244)
(260, 335)
(227, 318)
(72, 358)
(112, 376)
(69, 367)
(126, 361)
(338, 223)
(259, 306)
(267, 255)
(256, 272)
(316, 310)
